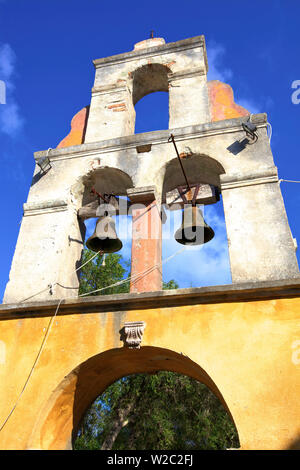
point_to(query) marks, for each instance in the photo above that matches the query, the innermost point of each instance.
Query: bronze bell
(193, 230)
(104, 237)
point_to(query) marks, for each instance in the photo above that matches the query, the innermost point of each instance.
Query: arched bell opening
(105, 180)
(107, 229)
(198, 169)
(83, 385)
(148, 79)
(106, 273)
(150, 97)
(194, 222)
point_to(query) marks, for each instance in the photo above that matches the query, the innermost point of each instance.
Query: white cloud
(250, 106)
(11, 120)
(261, 105)
(202, 265)
(216, 69)
(7, 61)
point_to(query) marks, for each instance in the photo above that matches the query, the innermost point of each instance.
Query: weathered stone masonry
(241, 340)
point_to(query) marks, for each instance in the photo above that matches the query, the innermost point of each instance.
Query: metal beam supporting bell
(105, 237)
(193, 230)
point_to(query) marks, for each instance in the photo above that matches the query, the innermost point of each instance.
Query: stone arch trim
(66, 406)
(104, 178)
(198, 168)
(182, 65)
(149, 78)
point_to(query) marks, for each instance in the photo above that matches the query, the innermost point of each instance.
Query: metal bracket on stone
(132, 334)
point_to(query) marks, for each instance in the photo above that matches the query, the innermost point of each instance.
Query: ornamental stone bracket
(132, 334)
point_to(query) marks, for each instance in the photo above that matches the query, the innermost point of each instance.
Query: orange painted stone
(222, 105)
(146, 248)
(78, 126)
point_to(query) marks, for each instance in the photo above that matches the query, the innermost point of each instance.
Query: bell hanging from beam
(193, 230)
(105, 237)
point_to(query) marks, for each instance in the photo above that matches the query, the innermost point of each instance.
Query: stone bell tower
(103, 152)
(59, 351)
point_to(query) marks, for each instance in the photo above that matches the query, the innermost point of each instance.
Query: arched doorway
(73, 396)
(159, 411)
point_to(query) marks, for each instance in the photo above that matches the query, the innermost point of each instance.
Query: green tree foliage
(104, 271)
(170, 285)
(163, 411)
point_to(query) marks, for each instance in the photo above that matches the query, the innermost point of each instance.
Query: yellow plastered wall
(248, 353)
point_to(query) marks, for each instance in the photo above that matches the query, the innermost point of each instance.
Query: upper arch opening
(198, 168)
(149, 79)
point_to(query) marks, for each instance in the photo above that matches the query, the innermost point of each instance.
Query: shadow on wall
(295, 445)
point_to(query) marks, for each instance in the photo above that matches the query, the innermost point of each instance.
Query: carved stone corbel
(133, 334)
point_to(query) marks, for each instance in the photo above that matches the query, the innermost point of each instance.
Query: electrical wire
(270, 131)
(288, 181)
(37, 293)
(137, 276)
(134, 277)
(33, 366)
(51, 285)
(90, 259)
(43, 341)
(268, 124)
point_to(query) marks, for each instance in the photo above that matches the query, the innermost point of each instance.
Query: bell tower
(59, 350)
(221, 149)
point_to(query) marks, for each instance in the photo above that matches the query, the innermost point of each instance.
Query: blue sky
(46, 53)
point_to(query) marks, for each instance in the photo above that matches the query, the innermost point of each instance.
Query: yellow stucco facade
(243, 343)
